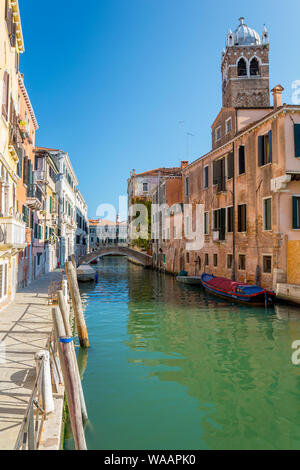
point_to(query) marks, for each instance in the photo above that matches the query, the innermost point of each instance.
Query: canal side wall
(25, 327)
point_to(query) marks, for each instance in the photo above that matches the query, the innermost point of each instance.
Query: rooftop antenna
(180, 138)
(188, 136)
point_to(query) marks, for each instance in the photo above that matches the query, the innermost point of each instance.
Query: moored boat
(236, 291)
(192, 280)
(85, 273)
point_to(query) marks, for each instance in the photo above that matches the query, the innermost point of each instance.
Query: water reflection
(234, 360)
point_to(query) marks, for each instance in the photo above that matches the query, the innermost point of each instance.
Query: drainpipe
(233, 277)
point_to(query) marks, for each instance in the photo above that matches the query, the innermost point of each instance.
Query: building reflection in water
(234, 360)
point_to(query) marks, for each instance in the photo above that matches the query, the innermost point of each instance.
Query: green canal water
(171, 367)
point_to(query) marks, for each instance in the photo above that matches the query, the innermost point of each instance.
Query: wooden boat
(236, 291)
(85, 273)
(192, 280)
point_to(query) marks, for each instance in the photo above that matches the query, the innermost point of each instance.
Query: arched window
(242, 68)
(254, 67)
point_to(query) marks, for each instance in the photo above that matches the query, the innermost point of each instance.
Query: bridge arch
(138, 256)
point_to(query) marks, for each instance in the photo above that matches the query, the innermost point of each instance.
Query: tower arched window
(242, 68)
(254, 67)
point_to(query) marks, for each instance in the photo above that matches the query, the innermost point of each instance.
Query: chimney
(277, 96)
(184, 164)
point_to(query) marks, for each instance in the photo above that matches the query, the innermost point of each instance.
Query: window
(254, 67)
(3, 280)
(297, 140)
(215, 260)
(241, 160)
(206, 259)
(242, 68)
(242, 218)
(219, 223)
(145, 187)
(230, 219)
(229, 261)
(267, 264)
(206, 223)
(230, 163)
(5, 96)
(186, 186)
(267, 214)
(206, 176)
(216, 220)
(187, 257)
(228, 125)
(218, 134)
(242, 262)
(296, 212)
(265, 149)
(219, 174)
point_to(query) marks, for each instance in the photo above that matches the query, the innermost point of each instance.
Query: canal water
(171, 367)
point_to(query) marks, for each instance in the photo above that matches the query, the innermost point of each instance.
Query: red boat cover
(223, 284)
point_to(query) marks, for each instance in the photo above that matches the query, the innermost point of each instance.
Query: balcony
(14, 141)
(40, 175)
(34, 197)
(12, 234)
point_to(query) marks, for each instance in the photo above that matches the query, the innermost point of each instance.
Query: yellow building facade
(12, 227)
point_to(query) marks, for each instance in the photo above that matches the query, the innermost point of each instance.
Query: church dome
(245, 36)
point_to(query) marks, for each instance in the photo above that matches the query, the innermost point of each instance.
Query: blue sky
(109, 80)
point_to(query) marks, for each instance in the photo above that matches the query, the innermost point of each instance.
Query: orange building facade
(248, 185)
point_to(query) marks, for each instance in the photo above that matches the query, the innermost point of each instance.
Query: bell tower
(245, 68)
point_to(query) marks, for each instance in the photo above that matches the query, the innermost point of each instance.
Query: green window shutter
(261, 150)
(270, 146)
(40, 232)
(46, 232)
(230, 163)
(296, 215)
(242, 159)
(50, 205)
(35, 230)
(297, 140)
(31, 218)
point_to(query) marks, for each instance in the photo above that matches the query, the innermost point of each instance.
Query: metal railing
(30, 434)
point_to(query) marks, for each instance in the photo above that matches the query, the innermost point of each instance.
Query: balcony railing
(12, 233)
(34, 196)
(40, 175)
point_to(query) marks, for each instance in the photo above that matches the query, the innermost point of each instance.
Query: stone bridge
(138, 256)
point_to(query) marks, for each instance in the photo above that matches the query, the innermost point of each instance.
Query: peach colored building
(29, 199)
(249, 183)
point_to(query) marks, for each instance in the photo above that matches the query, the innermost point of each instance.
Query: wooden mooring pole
(77, 305)
(64, 329)
(72, 391)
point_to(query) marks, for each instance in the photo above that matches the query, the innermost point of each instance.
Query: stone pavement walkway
(25, 325)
